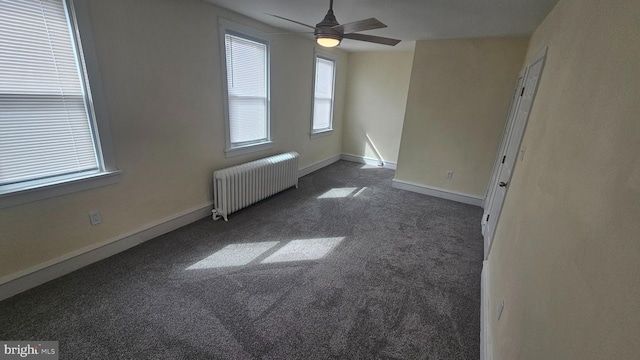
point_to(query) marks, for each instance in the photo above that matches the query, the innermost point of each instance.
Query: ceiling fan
(329, 32)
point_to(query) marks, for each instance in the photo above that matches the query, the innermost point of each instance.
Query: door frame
(513, 110)
(514, 138)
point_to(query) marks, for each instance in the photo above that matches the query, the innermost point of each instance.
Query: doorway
(510, 146)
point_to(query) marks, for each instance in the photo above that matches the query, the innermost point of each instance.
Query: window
(324, 80)
(246, 59)
(49, 128)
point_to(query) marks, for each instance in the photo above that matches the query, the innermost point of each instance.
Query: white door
(515, 101)
(510, 155)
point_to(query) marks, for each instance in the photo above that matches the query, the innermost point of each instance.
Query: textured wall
(160, 64)
(566, 254)
(377, 87)
(456, 109)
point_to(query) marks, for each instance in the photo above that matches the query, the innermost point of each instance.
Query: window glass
(54, 132)
(323, 94)
(46, 119)
(246, 69)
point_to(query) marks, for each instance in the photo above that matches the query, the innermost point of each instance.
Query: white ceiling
(407, 20)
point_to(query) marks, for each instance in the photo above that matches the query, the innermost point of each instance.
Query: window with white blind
(48, 124)
(324, 83)
(246, 59)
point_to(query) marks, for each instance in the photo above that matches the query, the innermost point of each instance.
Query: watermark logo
(29, 350)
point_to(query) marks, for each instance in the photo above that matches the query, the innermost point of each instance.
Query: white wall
(160, 62)
(456, 109)
(566, 253)
(377, 88)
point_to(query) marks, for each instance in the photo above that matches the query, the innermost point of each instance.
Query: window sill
(16, 195)
(247, 149)
(320, 133)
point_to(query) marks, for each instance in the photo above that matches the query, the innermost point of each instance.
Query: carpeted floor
(345, 267)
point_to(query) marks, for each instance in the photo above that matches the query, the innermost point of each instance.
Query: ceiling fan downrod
(329, 19)
(329, 32)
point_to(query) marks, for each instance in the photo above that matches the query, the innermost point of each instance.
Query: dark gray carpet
(403, 283)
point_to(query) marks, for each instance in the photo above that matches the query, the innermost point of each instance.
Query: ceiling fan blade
(373, 39)
(362, 25)
(293, 21)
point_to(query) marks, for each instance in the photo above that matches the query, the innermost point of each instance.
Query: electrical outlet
(450, 175)
(94, 217)
(500, 308)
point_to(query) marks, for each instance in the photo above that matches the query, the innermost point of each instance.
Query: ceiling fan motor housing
(324, 28)
(329, 32)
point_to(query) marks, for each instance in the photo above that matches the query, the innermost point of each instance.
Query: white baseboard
(369, 161)
(16, 283)
(348, 157)
(390, 165)
(437, 192)
(485, 333)
(24, 280)
(317, 166)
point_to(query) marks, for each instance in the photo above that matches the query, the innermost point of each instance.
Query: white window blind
(247, 87)
(45, 126)
(323, 94)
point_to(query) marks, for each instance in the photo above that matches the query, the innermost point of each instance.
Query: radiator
(239, 186)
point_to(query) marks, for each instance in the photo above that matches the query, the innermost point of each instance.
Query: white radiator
(239, 186)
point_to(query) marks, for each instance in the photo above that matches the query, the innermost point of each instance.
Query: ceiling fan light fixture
(329, 33)
(327, 41)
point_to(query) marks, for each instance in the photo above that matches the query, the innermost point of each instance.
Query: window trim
(249, 33)
(319, 53)
(12, 195)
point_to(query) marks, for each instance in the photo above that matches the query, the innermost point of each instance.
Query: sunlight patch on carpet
(360, 191)
(234, 255)
(338, 193)
(369, 167)
(304, 250)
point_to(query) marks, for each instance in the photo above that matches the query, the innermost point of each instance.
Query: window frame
(251, 34)
(325, 55)
(77, 14)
